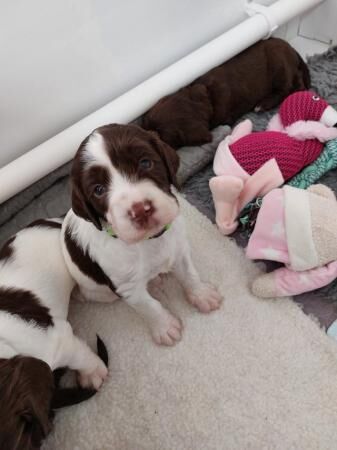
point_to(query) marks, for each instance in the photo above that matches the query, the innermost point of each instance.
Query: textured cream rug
(254, 375)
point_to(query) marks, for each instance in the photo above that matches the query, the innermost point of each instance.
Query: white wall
(321, 23)
(62, 59)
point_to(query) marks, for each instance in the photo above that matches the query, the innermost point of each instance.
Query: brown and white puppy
(259, 77)
(124, 228)
(36, 338)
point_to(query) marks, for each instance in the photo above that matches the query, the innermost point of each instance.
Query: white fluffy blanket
(254, 375)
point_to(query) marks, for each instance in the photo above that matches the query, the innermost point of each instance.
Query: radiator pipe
(56, 151)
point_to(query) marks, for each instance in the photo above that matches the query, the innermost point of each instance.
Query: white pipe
(61, 148)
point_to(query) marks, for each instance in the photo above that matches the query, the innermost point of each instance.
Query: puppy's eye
(315, 98)
(145, 164)
(99, 190)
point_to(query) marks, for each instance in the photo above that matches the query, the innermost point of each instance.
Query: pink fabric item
(225, 164)
(302, 105)
(275, 123)
(289, 282)
(303, 130)
(265, 179)
(241, 129)
(268, 240)
(291, 155)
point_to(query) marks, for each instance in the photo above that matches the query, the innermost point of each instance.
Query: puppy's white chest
(167, 266)
(160, 260)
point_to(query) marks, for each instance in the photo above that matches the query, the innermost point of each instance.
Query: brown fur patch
(93, 176)
(26, 305)
(81, 201)
(7, 249)
(127, 145)
(85, 263)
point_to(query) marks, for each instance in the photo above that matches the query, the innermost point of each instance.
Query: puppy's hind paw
(94, 379)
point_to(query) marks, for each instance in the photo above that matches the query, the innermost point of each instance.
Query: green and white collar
(108, 229)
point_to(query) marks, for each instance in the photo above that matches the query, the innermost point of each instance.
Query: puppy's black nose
(335, 126)
(141, 211)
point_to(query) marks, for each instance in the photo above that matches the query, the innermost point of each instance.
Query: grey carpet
(321, 303)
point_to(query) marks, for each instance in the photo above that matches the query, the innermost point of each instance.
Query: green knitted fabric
(326, 161)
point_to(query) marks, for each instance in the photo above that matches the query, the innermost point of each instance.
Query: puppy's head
(26, 389)
(124, 174)
(182, 118)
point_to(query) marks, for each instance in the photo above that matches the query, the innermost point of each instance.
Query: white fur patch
(124, 193)
(37, 265)
(95, 152)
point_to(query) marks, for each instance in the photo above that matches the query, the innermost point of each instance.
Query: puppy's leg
(101, 294)
(77, 355)
(270, 102)
(157, 282)
(165, 328)
(281, 85)
(92, 371)
(155, 287)
(201, 295)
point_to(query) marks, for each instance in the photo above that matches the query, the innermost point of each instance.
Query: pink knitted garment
(302, 105)
(291, 155)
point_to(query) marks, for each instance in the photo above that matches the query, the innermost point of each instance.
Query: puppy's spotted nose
(140, 212)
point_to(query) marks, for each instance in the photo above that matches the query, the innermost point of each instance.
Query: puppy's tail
(304, 79)
(72, 396)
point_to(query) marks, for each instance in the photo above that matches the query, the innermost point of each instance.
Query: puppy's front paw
(205, 297)
(94, 379)
(167, 330)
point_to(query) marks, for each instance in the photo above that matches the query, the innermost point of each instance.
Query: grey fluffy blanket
(323, 69)
(50, 196)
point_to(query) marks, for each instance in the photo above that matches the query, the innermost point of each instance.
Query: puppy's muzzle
(140, 213)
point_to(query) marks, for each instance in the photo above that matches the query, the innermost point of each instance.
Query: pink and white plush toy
(249, 164)
(295, 227)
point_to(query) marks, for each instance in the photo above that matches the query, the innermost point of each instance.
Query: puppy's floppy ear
(36, 411)
(36, 424)
(80, 205)
(169, 157)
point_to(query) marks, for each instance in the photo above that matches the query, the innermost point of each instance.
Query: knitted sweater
(291, 155)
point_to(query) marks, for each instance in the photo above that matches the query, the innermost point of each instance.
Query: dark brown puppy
(29, 394)
(26, 388)
(259, 77)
